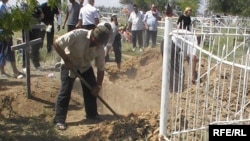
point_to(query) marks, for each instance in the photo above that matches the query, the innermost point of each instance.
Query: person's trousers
(177, 72)
(150, 34)
(89, 26)
(118, 53)
(71, 27)
(62, 103)
(35, 54)
(50, 37)
(137, 35)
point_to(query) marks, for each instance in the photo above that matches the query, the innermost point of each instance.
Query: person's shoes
(106, 58)
(3, 76)
(93, 120)
(24, 70)
(141, 50)
(39, 68)
(61, 126)
(133, 49)
(18, 75)
(58, 65)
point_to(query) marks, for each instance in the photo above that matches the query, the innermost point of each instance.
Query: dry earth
(134, 93)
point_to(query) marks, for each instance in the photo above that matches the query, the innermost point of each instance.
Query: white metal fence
(221, 94)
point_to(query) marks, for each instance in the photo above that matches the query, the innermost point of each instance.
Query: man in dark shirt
(35, 34)
(48, 20)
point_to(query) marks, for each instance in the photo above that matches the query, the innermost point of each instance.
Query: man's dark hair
(113, 17)
(108, 26)
(101, 34)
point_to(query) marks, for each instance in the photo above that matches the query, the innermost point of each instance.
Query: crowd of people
(88, 39)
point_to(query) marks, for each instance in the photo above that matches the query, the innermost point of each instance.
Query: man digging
(78, 49)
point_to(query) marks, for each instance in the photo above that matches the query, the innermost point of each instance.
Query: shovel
(99, 97)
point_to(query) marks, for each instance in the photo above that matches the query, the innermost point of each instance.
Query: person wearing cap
(184, 20)
(78, 48)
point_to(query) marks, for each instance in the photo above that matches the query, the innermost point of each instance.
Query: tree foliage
(233, 7)
(20, 17)
(145, 4)
(126, 1)
(182, 4)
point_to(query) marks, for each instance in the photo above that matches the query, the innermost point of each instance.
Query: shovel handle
(106, 104)
(99, 97)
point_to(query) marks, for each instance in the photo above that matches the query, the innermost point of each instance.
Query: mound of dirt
(140, 126)
(143, 72)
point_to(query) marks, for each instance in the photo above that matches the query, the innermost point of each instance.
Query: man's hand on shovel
(95, 90)
(68, 64)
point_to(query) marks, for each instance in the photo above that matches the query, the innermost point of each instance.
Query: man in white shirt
(88, 16)
(78, 48)
(151, 23)
(136, 25)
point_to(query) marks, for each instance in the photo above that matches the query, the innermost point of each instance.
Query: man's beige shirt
(76, 47)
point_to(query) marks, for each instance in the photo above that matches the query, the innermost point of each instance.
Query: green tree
(180, 4)
(20, 18)
(126, 1)
(239, 7)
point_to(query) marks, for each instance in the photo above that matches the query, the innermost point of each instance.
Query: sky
(106, 3)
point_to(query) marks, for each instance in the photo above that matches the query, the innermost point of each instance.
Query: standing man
(151, 23)
(48, 20)
(72, 14)
(88, 16)
(136, 25)
(34, 34)
(78, 48)
(5, 46)
(81, 2)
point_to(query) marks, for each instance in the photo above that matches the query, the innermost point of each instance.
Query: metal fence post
(165, 77)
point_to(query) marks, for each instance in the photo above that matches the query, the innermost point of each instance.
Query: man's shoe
(58, 65)
(39, 68)
(106, 58)
(3, 76)
(24, 70)
(94, 119)
(133, 49)
(141, 50)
